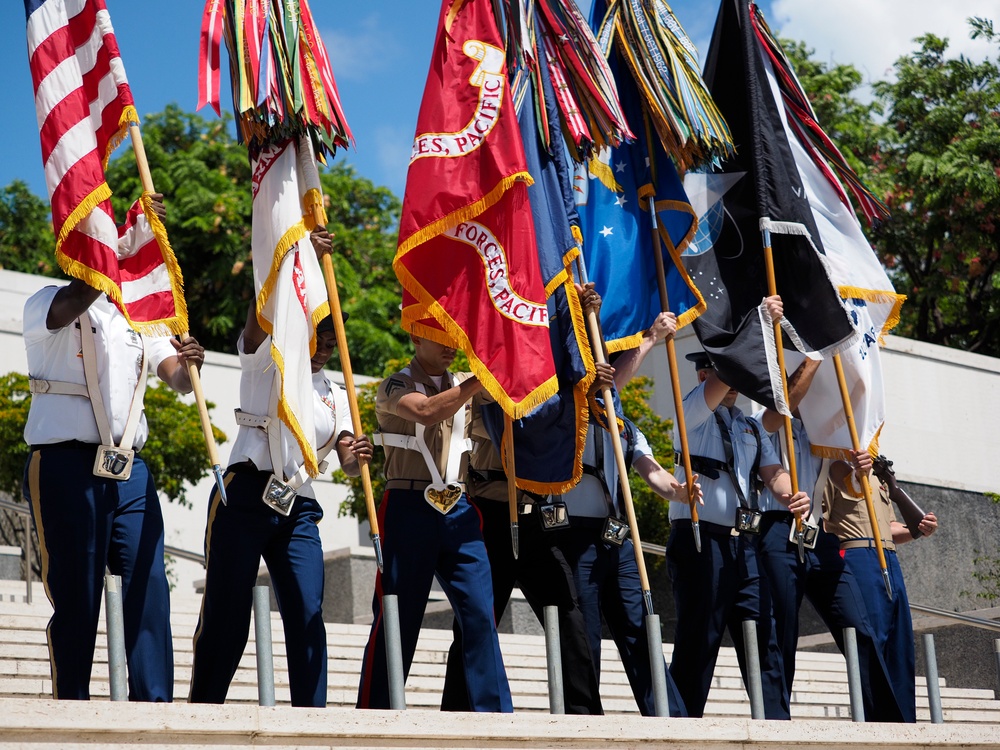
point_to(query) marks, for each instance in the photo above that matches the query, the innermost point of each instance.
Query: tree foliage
(938, 165)
(204, 175)
(174, 451)
(26, 240)
(929, 146)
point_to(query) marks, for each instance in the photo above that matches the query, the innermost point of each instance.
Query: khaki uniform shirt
(401, 463)
(847, 517)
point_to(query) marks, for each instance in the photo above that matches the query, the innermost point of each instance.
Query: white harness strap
(272, 427)
(92, 390)
(458, 444)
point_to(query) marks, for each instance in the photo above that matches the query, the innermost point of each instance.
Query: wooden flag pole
(352, 397)
(597, 344)
(845, 396)
(772, 289)
(508, 443)
(195, 377)
(675, 381)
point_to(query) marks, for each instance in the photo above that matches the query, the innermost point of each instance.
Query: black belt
(777, 516)
(707, 467)
(487, 475)
(716, 529)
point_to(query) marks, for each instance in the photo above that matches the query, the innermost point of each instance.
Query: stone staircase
(26, 718)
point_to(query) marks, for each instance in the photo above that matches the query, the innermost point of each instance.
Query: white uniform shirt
(704, 439)
(330, 409)
(587, 499)
(806, 464)
(56, 355)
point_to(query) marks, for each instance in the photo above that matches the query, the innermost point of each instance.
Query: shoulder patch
(393, 384)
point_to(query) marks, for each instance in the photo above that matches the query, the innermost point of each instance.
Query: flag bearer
(429, 528)
(93, 499)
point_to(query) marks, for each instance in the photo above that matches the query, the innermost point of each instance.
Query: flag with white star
(613, 193)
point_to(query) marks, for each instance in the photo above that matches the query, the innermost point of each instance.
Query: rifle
(911, 512)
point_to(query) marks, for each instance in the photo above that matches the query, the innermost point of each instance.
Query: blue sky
(381, 50)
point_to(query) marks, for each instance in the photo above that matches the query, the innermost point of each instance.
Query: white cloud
(364, 49)
(872, 34)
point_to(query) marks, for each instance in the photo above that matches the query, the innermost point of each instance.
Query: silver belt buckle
(443, 497)
(615, 531)
(554, 515)
(113, 462)
(810, 534)
(278, 496)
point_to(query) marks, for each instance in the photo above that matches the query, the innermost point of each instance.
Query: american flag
(84, 108)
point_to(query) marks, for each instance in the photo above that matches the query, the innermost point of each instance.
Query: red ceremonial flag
(466, 258)
(84, 108)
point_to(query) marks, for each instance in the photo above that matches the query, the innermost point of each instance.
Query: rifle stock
(911, 512)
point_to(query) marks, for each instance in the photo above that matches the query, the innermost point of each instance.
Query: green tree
(26, 240)
(204, 175)
(929, 146)
(174, 452)
(938, 167)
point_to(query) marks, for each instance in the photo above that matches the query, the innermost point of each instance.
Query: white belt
(409, 442)
(457, 446)
(272, 427)
(57, 387)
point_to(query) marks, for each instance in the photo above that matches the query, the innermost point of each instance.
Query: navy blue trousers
(545, 578)
(237, 536)
(832, 589)
(86, 524)
(891, 622)
(608, 585)
(717, 589)
(418, 544)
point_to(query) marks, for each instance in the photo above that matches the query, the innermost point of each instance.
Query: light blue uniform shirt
(587, 499)
(704, 439)
(806, 464)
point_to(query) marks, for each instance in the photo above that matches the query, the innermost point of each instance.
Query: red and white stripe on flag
(84, 107)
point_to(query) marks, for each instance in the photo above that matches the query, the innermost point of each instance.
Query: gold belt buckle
(443, 497)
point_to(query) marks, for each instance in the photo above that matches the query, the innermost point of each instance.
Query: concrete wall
(184, 527)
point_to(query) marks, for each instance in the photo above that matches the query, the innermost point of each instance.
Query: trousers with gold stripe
(237, 537)
(86, 524)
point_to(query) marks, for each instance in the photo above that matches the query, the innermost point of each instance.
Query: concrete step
(43, 725)
(820, 688)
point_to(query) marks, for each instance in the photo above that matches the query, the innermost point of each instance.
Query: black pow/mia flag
(758, 192)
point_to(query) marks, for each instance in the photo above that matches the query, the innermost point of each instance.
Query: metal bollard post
(853, 674)
(115, 620)
(933, 686)
(553, 661)
(754, 688)
(996, 653)
(265, 652)
(29, 556)
(657, 668)
(393, 652)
